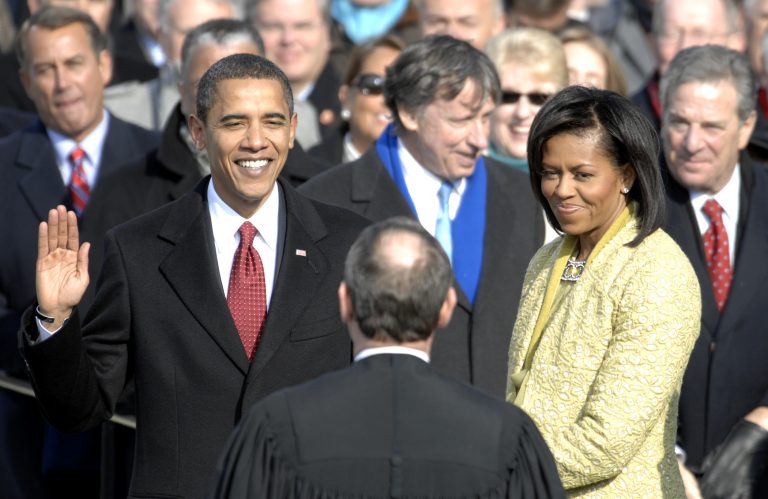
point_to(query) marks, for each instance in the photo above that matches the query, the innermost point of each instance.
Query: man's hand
(62, 266)
(692, 490)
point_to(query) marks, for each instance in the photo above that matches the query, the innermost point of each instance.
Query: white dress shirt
(729, 199)
(226, 224)
(393, 349)
(226, 237)
(424, 187)
(93, 146)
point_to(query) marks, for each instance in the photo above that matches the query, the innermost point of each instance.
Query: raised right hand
(62, 266)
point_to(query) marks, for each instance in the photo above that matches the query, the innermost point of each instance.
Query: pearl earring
(625, 190)
(346, 114)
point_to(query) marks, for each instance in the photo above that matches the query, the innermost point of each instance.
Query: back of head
(238, 67)
(437, 67)
(397, 277)
(624, 135)
(711, 64)
(219, 32)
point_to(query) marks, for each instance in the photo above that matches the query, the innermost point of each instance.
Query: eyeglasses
(535, 98)
(369, 84)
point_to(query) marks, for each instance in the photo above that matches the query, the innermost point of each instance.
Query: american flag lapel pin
(301, 252)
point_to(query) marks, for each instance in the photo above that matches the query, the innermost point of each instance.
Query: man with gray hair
(429, 165)
(718, 214)
(679, 24)
(389, 426)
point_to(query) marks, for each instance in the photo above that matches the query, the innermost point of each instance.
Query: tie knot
(76, 155)
(247, 233)
(712, 209)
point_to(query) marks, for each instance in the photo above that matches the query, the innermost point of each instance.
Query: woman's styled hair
(623, 134)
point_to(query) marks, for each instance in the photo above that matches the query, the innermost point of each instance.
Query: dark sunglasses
(535, 98)
(369, 84)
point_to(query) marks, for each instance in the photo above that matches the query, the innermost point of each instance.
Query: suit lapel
(683, 228)
(41, 185)
(750, 272)
(303, 267)
(372, 186)
(190, 268)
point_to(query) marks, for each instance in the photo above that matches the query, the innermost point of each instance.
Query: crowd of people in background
(595, 172)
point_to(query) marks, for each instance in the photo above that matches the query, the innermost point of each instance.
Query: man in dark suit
(718, 214)
(440, 92)
(65, 65)
(389, 426)
(177, 166)
(209, 303)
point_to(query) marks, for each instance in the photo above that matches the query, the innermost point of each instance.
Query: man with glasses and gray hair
(429, 165)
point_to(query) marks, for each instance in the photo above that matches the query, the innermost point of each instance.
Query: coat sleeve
(655, 323)
(79, 373)
(534, 473)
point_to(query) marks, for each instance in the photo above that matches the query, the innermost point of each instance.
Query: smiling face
(583, 187)
(65, 79)
(368, 113)
(248, 134)
(511, 122)
(447, 137)
(702, 134)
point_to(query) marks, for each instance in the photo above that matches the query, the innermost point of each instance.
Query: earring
(345, 114)
(625, 190)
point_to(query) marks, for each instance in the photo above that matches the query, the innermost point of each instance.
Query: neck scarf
(467, 229)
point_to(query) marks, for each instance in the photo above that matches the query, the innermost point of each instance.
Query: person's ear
(198, 131)
(345, 303)
(105, 67)
(408, 118)
(629, 175)
(446, 309)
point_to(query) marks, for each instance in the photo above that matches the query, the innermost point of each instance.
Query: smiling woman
(609, 312)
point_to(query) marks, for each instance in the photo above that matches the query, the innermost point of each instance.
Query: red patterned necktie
(717, 253)
(79, 191)
(247, 295)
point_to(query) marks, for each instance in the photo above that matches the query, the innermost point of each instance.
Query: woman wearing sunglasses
(531, 67)
(364, 114)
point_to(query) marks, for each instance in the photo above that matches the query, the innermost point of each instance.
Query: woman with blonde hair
(531, 67)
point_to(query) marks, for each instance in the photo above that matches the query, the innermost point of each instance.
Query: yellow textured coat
(604, 382)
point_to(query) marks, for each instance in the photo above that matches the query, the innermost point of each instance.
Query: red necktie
(79, 191)
(716, 251)
(247, 295)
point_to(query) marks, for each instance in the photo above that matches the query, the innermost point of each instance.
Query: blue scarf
(362, 23)
(467, 229)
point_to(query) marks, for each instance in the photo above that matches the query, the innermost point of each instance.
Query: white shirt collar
(729, 198)
(423, 187)
(393, 349)
(226, 224)
(93, 145)
(350, 151)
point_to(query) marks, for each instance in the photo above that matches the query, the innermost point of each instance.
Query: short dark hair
(437, 66)
(624, 135)
(392, 301)
(54, 17)
(238, 67)
(219, 32)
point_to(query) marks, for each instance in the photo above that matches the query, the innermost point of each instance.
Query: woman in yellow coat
(610, 311)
